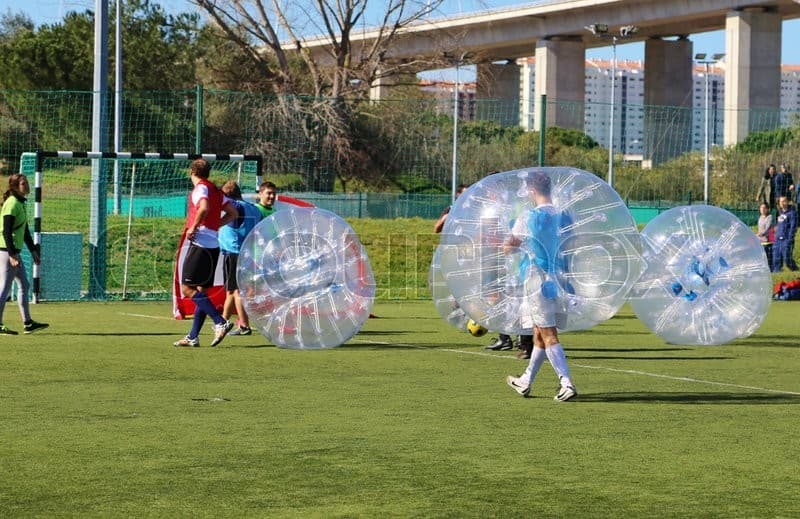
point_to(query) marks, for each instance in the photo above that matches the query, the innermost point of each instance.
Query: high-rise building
(629, 102)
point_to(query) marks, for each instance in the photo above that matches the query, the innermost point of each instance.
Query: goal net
(110, 224)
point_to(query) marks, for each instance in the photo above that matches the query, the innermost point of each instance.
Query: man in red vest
(206, 207)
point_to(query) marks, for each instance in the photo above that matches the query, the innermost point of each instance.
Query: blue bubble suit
(305, 279)
(581, 268)
(707, 280)
(443, 299)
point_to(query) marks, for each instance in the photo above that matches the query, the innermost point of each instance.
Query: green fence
(397, 159)
(406, 145)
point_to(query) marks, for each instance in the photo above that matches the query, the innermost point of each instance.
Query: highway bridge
(555, 32)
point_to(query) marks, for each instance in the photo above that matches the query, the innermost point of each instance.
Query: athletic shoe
(500, 344)
(33, 326)
(242, 330)
(4, 330)
(566, 393)
(187, 341)
(517, 386)
(220, 331)
(497, 342)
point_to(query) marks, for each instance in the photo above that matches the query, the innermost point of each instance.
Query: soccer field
(101, 416)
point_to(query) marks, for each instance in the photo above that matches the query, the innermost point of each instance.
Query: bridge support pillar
(560, 74)
(752, 72)
(668, 89)
(380, 88)
(498, 89)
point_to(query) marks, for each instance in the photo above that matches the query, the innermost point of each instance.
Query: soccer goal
(109, 224)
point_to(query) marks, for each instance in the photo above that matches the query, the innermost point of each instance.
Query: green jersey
(16, 208)
(265, 211)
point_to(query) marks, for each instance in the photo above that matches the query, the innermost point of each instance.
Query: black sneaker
(33, 326)
(4, 330)
(500, 344)
(506, 345)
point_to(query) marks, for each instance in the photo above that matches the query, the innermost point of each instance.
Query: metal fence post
(198, 131)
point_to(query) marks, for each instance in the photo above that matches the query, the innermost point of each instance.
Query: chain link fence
(398, 159)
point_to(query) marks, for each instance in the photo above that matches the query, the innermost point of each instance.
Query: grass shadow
(691, 398)
(626, 357)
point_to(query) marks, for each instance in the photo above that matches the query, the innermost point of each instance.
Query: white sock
(555, 354)
(537, 359)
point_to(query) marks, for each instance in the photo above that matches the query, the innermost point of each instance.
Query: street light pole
(600, 30)
(611, 117)
(701, 59)
(454, 181)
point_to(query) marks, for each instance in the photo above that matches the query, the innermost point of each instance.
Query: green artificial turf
(101, 416)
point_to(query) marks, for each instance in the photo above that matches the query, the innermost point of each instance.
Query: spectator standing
(13, 235)
(231, 237)
(208, 211)
(766, 189)
(766, 231)
(784, 183)
(785, 230)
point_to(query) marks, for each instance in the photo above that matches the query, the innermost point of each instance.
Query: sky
(52, 11)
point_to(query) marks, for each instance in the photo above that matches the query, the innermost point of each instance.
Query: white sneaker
(220, 331)
(187, 341)
(516, 385)
(566, 393)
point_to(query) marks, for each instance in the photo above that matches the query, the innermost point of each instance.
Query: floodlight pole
(457, 62)
(611, 117)
(454, 181)
(705, 145)
(97, 191)
(706, 121)
(118, 106)
(601, 31)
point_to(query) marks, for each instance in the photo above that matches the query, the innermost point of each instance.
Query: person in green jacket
(15, 234)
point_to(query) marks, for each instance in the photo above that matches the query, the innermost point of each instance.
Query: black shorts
(199, 266)
(229, 263)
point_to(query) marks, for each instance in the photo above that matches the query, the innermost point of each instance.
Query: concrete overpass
(554, 32)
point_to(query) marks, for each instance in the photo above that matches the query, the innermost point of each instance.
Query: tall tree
(271, 32)
(160, 50)
(12, 24)
(273, 35)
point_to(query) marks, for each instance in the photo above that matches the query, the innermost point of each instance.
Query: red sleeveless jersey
(213, 218)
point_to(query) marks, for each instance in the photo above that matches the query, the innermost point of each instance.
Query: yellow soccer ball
(476, 329)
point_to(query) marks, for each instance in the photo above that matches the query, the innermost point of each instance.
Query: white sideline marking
(689, 379)
(148, 316)
(586, 366)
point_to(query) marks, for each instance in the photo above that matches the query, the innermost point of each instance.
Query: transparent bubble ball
(305, 279)
(707, 280)
(443, 299)
(593, 266)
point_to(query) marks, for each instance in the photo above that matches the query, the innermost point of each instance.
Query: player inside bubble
(587, 273)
